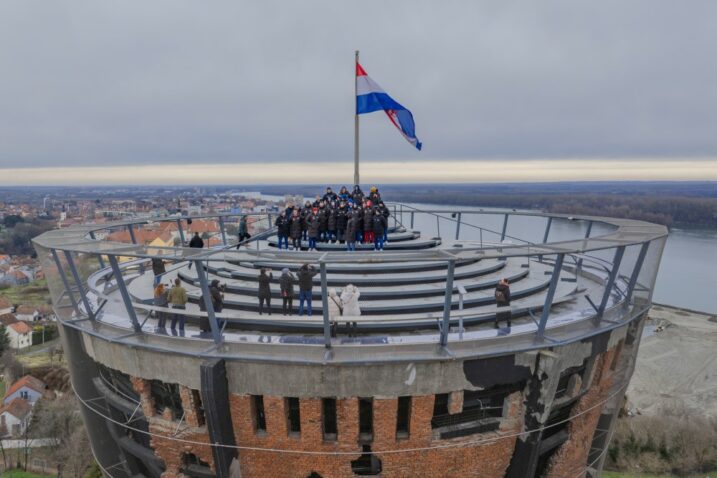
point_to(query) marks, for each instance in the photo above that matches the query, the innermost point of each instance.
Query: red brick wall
(166, 432)
(482, 460)
(571, 458)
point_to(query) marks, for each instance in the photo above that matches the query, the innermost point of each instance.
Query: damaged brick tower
(422, 383)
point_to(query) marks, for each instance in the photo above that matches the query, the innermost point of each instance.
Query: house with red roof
(28, 388)
(15, 417)
(20, 335)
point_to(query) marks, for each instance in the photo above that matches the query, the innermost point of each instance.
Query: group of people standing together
(345, 304)
(346, 217)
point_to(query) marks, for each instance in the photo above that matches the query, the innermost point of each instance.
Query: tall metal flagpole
(356, 123)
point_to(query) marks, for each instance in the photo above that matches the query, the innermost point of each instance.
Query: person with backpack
(306, 285)
(286, 284)
(336, 307)
(502, 299)
(264, 281)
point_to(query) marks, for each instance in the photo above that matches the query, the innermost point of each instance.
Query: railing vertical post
(505, 228)
(131, 234)
(412, 215)
(458, 226)
(448, 300)
(223, 231)
(481, 237)
(80, 288)
(61, 271)
(438, 224)
(547, 230)
(395, 217)
(99, 256)
(325, 304)
(123, 293)
(611, 280)
(181, 232)
(550, 295)
(208, 305)
(589, 229)
(545, 236)
(636, 272)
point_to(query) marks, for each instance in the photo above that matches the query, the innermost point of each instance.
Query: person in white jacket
(350, 297)
(335, 305)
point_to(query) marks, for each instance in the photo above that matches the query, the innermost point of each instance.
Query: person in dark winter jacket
(323, 222)
(357, 194)
(295, 228)
(386, 213)
(351, 233)
(341, 220)
(374, 196)
(197, 243)
(502, 299)
(368, 224)
(264, 280)
(379, 227)
(312, 226)
(330, 196)
(331, 224)
(243, 233)
(305, 211)
(282, 230)
(158, 269)
(216, 295)
(286, 283)
(358, 219)
(306, 284)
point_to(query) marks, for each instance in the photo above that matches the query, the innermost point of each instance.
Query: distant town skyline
(500, 92)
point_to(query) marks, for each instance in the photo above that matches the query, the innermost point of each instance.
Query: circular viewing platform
(427, 296)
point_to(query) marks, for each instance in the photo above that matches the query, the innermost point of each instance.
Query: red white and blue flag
(370, 97)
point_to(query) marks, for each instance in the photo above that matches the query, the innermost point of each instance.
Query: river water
(688, 271)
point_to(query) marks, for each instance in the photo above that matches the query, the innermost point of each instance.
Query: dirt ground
(677, 366)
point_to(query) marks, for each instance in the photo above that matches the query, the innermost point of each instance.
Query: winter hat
(285, 271)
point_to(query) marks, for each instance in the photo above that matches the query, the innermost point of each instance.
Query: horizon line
(384, 172)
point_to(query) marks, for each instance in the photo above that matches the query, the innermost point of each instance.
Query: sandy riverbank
(676, 367)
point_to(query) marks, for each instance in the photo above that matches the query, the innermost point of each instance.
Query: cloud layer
(87, 83)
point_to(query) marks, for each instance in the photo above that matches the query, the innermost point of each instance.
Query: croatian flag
(370, 97)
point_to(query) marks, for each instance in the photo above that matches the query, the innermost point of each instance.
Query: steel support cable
(392, 451)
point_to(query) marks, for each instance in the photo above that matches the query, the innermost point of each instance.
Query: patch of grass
(23, 474)
(40, 360)
(35, 294)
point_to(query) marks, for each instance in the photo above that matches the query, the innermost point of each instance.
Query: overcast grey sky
(109, 83)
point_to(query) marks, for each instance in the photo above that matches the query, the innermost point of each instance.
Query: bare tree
(58, 421)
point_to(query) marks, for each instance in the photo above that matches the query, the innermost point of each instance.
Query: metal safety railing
(117, 261)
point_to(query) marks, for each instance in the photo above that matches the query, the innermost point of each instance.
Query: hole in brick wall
(119, 382)
(313, 474)
(328, 417)
(616, 357)
(166, 396)
(365, 419)
(367, 463)
(482, 410)
(257, 405)
(566, 375)
(194, 467)
(293, 415)
(198, 407)
(403, 417)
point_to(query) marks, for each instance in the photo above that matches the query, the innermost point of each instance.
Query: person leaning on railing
(177, 299)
